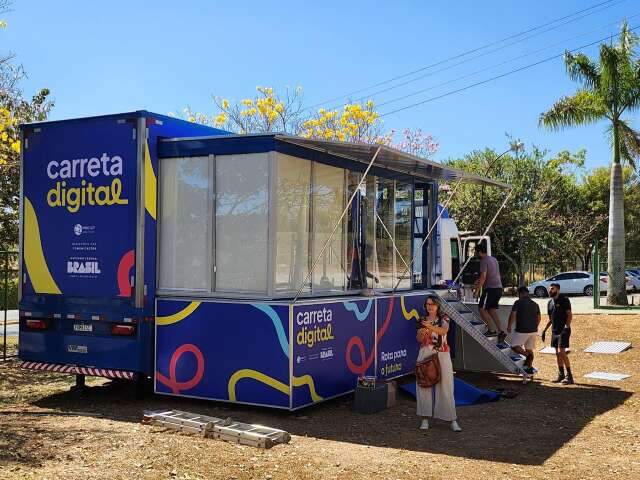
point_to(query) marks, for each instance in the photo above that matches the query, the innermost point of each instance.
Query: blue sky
(105, 57)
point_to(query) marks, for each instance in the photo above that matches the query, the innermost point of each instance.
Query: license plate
(81, 327)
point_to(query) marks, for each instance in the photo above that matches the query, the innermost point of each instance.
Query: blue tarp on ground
(464, 393)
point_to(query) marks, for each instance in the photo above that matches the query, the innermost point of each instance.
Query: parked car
(604, 278)
(570, 282)
(634, 277)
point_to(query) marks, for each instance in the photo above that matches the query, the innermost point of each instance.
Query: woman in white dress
(436, 401)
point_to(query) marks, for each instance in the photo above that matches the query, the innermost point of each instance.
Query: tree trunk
(616, 293)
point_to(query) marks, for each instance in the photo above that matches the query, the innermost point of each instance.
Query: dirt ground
(587, 430)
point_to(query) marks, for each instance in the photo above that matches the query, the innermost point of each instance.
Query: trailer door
(79, 208)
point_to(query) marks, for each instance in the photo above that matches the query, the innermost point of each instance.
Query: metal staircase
(468, 321)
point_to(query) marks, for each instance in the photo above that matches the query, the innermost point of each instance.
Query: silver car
(570, 282)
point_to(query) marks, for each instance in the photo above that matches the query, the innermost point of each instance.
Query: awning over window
(391, 159)
(394, 161)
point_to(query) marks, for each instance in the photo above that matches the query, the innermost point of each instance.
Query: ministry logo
(77, 229)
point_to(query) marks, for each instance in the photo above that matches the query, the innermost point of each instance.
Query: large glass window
(402, 234)
(185, 212)
(254, 224)
(382, 259)
(292, 199)
(328, 203)
(242, 222)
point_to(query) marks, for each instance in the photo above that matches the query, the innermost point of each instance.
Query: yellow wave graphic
(178, 316)
(408, 315)
(37, 267)
(260, 377)
(307, 380)
(272, 382)
(150, 183)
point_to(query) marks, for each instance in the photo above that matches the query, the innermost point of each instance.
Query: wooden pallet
(218, 428)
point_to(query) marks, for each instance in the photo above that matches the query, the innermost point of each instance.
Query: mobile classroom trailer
(261, 269)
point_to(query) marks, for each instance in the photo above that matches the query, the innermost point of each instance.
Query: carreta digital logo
(316, 327)
(73, 197)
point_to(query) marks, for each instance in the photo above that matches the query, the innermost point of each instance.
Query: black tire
(540, 292)
(588, 290)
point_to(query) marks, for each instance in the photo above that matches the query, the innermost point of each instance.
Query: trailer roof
(392, 159)
(359, 155)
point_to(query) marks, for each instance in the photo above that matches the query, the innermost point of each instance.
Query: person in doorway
(436, 401)
(560, 316)
(526, 315)
(491, 286)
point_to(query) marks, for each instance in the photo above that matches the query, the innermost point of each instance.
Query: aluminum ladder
(218, 428)
(466, 319)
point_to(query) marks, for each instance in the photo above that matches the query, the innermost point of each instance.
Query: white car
(570, 282)
(604, 278)
(633, 279)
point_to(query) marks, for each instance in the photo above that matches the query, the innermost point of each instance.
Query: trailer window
(242, 222)
(403, 236)
(388, 221)
(292, 198)
(185, 223)
(328, 202)
(455, 258)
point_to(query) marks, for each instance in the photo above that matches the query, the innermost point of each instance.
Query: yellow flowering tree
(265, 112)
(356, 122)
(14, 110)
(268, 111)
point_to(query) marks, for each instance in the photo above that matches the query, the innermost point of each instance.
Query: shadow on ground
(525, 430)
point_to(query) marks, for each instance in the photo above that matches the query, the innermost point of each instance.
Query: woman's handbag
(428, 371)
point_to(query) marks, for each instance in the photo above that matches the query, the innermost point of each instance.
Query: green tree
(16, 110)
(595, 191)
(608, 89)
(533, 226)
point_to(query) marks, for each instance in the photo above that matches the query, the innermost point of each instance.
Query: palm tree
(607, 90)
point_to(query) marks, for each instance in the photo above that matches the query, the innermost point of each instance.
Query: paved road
(12, 330)
(579, 304)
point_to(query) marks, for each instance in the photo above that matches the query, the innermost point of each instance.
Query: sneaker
(529, 370)
(490, 333)
(424, 425)
(559, 379)
(501, 337)
(568, 380)
(455, 427)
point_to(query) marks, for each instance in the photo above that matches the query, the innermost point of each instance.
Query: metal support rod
(444, 207)
(504, 203)
(335, 228)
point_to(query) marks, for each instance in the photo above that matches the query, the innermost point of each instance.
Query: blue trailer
(263, 269)
(88, 242)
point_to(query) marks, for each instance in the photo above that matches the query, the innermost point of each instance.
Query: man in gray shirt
(491, 285)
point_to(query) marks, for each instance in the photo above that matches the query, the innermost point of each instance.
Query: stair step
(520, 362)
